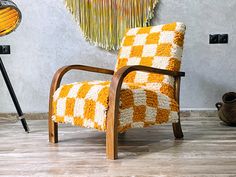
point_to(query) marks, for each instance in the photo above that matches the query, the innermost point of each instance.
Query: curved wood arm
(114, 99)
(53, 132)
(62, 71)
(117, 80)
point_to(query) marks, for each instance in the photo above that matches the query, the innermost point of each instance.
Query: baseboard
(198, 113)
(28, 116)
(183, 113)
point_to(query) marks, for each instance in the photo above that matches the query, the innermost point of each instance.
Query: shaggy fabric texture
(85, 104)
(146, 99)
(158, 47)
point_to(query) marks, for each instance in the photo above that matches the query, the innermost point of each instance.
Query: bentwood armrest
(119, 76)
(62, 71)
(53, 127)
(114, 99)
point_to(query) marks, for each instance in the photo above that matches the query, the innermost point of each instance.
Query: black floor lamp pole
(13, 96)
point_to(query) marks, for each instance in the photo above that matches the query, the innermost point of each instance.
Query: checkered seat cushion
(146, 99)
(86, 104)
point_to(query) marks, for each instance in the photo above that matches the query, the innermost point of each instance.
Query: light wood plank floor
(208, 149)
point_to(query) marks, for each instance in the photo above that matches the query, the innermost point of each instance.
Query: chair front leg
(53, 131)
(111, 143)
(52, 126)
(112, 117)
(112, 132)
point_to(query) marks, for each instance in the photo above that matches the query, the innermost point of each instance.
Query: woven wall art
(104, 22)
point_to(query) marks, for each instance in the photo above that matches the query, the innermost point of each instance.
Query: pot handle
(219, 105)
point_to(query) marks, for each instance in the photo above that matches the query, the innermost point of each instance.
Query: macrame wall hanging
(104, 22)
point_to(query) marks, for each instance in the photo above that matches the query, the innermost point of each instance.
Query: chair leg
(52, 126)
(121, 135)
(177, 130)
(52, 130)
(111, 144)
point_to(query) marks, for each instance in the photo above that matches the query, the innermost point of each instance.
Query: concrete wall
(48, 38)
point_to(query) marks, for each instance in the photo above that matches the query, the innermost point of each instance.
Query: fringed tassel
(104, 22)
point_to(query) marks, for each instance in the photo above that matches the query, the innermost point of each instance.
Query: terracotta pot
(227, 109)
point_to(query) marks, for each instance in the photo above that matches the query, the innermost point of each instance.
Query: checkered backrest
(158, 46)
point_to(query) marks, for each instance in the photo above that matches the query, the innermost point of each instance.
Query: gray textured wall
(48, 38)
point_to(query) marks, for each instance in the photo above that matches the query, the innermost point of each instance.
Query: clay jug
(227, 109)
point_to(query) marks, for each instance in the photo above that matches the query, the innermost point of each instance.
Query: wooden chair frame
(114, 99)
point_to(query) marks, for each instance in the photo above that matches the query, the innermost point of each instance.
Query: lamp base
(13, 96)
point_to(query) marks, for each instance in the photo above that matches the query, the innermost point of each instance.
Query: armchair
(146, 75)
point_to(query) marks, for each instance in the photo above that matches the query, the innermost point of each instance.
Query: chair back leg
(177, 129)
(177, 126)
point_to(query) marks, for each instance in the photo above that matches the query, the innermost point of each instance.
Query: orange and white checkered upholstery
(86, 103)
(146, 99)
(158, 47)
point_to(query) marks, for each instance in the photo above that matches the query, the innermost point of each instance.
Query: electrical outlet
(223, 38)
(213, 39)
(218, 38)
(5, 49)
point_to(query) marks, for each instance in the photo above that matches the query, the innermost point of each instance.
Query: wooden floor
(209, 149)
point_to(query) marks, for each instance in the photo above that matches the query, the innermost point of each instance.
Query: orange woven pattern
(82, 104)
(159, 47)
(86, 104)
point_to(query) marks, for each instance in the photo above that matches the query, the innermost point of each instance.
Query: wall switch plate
(218, 38)
(5, 49)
